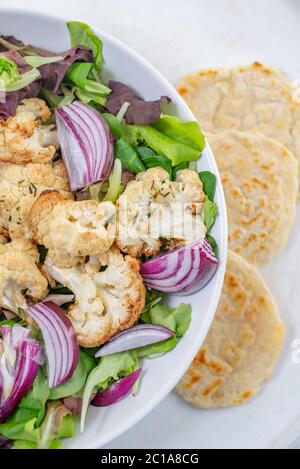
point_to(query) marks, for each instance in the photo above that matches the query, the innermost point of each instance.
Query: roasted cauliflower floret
(24, 139)
(110, 295)
(20, 186)
(154, 212)
(72, 230)
(20, 276)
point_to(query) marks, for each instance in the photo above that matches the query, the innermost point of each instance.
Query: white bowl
(159, 375)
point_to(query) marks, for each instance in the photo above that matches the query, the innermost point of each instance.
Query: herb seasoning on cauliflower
(109, 292)
(20, 186)
(23, 139)
(20, 275)
(72, 230)
(154, 212)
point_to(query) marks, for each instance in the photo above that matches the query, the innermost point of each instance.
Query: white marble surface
(179, 36)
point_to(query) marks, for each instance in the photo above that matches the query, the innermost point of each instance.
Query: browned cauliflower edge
(23, 137)
(153, 208)
(110, 295)
(20, 275)
(20, 186)
(71, 230)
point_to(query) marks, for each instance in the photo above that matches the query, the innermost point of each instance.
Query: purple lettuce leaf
(6, 41)
(10, 101)
(140, 111)
(53, 74)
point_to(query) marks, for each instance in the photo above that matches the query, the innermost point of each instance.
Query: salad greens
(35, 61)
(86, 89)
(116, 127)
(178, 141)
(23, 427)
(140, 137)
(128, 156)
(213, 243)
(210, 213)
(111, 367)
(76, 383)
(37, 397)
(114, 183)
(150, 159)
(82, 34)
(209, 182)
(176, 319)
(10, 78)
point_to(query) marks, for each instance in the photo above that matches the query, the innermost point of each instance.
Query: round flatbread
(260, 183)
(242, 346)
(252, 98)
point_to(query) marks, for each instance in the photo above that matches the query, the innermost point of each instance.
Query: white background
(179, 36)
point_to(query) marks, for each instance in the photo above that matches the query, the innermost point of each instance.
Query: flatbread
(252, 98)
(259, 177)
(242, 346)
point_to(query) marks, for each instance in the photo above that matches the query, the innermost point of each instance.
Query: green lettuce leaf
(178, 141)
(157, 349)
(153, 297)
(87, 90)
(10, 78)
(21, 426)
(209, 182)
(150, 159)
(111, 367)
(37, 397)
(8, 71)
(188, 133)
(210, 212)
(114, 123)
(36, 61)
(213, 243)
(176, 319)
(54, 100)
(82, 34)
(177, 168)
(24, 444)
(85, 365)
(115, 183)
(58, 423)
(128, 156)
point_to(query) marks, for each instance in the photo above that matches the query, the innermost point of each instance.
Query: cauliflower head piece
(72, 230)
(23, 137)
(20, 276)
(20, 186)
(155, 212)
(110, 295)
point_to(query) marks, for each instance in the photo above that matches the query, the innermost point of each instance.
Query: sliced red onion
(86, 144)
(135, 337)
(116, 391)
(18, 367)
(60, 341)
(184, 271)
